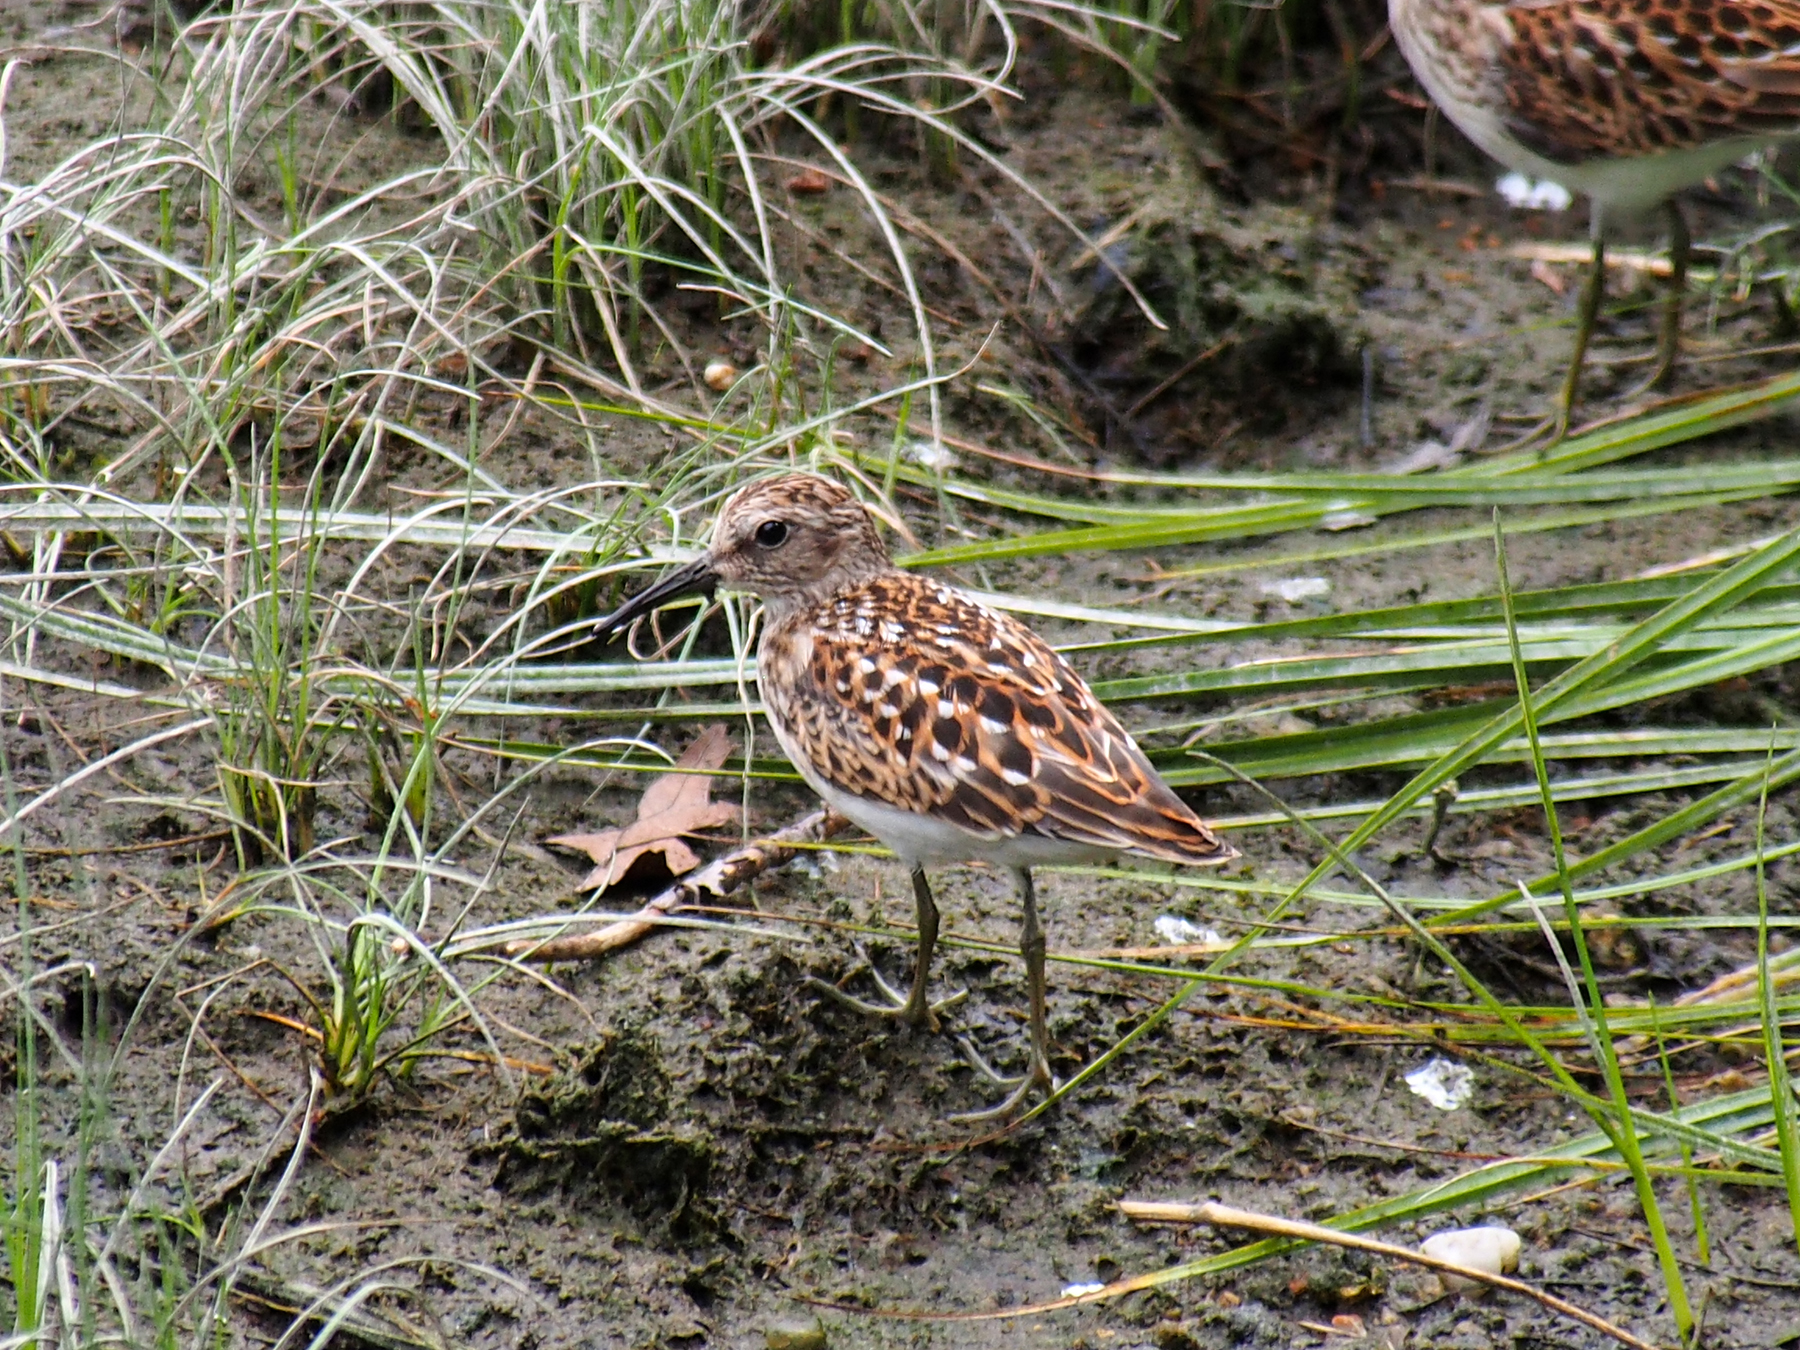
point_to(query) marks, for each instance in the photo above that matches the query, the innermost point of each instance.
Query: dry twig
(717, 878)
(1224, 1216)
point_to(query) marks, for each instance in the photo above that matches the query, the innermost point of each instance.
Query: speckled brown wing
(1586, 79)
(905, 692)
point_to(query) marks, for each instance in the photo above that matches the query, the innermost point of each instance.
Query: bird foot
(1543, 436)
(1022, 1085)
(1659, 379)
(910, 1008)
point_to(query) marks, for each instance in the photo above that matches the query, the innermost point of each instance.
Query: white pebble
(1442, 1082)
(933, 456)
(1180, 932)
(1298, 590)
(1493, 1249)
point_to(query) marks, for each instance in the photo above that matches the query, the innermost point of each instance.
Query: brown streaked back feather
(903, 691)
(1586, 79)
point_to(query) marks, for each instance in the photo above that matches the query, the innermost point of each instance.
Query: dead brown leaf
(675, 803)
(809, 180)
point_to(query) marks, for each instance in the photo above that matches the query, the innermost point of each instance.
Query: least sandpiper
(949, 731)
(1627, 101)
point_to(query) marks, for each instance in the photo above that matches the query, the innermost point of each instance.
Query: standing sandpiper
(1628, 101)
(950, 732)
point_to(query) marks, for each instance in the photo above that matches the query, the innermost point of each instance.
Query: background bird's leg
(1668, 341)
(1585, 319)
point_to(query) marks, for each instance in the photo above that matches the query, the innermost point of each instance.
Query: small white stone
(1180, 932)
(720, 375)
(1298, 590)
(1424, 457)
(1442, 1082)
(1493, 1248)
(933, 456)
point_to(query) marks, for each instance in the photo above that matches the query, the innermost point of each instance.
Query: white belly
(924, 842)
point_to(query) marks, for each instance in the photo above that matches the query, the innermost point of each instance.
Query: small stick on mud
(720, 877)
(1224, 1216)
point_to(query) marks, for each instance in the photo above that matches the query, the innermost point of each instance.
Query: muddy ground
(714, 1147)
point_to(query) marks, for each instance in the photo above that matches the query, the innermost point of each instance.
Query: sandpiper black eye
(772, 533)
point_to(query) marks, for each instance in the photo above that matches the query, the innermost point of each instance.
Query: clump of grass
(275, 722)
(1286, 75)
(598, 164)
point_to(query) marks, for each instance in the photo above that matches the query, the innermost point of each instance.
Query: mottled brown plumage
(901, 690)
(1607, 78)
(948, 730)
(1627, 101)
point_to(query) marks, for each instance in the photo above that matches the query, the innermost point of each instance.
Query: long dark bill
(696, 578)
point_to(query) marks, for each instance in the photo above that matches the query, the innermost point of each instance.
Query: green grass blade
(1702, 1243)
(1676, 824)
(1626, 1136)
(1715, 595)
(1781, 1088)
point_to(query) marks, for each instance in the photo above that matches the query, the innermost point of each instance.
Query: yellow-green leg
(1587, 316)
(1032, 948)
(1668, 341)
(914, 1008)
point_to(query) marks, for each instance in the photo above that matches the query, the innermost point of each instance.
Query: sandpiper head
(790, 539)
(795, 535)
